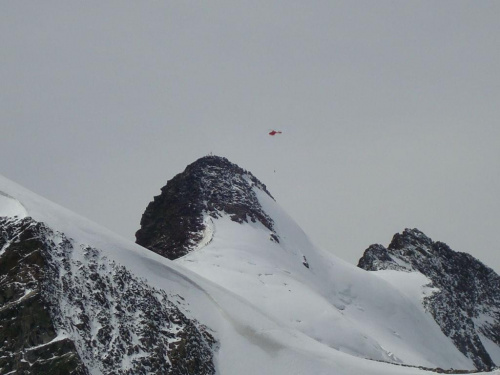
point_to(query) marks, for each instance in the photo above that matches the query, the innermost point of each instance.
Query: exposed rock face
(173, 222)
(65, 310)
(467, 303)
(30, 344)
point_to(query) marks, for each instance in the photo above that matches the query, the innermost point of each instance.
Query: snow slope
(334, 303)
(269, 313)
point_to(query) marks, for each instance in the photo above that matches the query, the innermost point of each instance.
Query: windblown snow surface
(269, 312)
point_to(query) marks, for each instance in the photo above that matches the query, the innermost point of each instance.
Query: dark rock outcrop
(173, 222)
(67, 310)
(30, 344)
(466, 304)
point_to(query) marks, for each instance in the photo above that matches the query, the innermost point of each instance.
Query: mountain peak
(211, 187)
(409, 237)
(216, 171)
(467, 293)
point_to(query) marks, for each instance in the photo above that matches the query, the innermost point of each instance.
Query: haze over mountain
(236, 287)
(389, 110)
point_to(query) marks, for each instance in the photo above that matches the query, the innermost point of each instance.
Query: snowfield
(274, 308)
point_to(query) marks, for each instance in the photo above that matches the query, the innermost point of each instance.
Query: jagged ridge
(173, 222)
(467, 303)
(84, 313)
(30, 343)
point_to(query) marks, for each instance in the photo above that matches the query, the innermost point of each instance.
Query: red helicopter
(274, 132)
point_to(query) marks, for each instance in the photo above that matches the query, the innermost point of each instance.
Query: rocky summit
(466, 301)
(174, 221)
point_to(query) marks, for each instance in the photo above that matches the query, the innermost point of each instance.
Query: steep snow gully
(232, 286)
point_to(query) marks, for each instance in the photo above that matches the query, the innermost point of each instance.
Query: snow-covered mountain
(466, 298)
(272, 264)
(175, 223)
(247, 293)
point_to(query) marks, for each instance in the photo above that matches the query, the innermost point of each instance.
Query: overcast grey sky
(389, 110)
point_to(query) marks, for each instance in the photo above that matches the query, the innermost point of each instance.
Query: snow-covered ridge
(331, 302)
(11, 207)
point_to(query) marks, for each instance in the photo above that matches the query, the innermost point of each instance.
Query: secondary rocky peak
(377, 257)
(410, 238)
(174, 222)
(466, 301)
